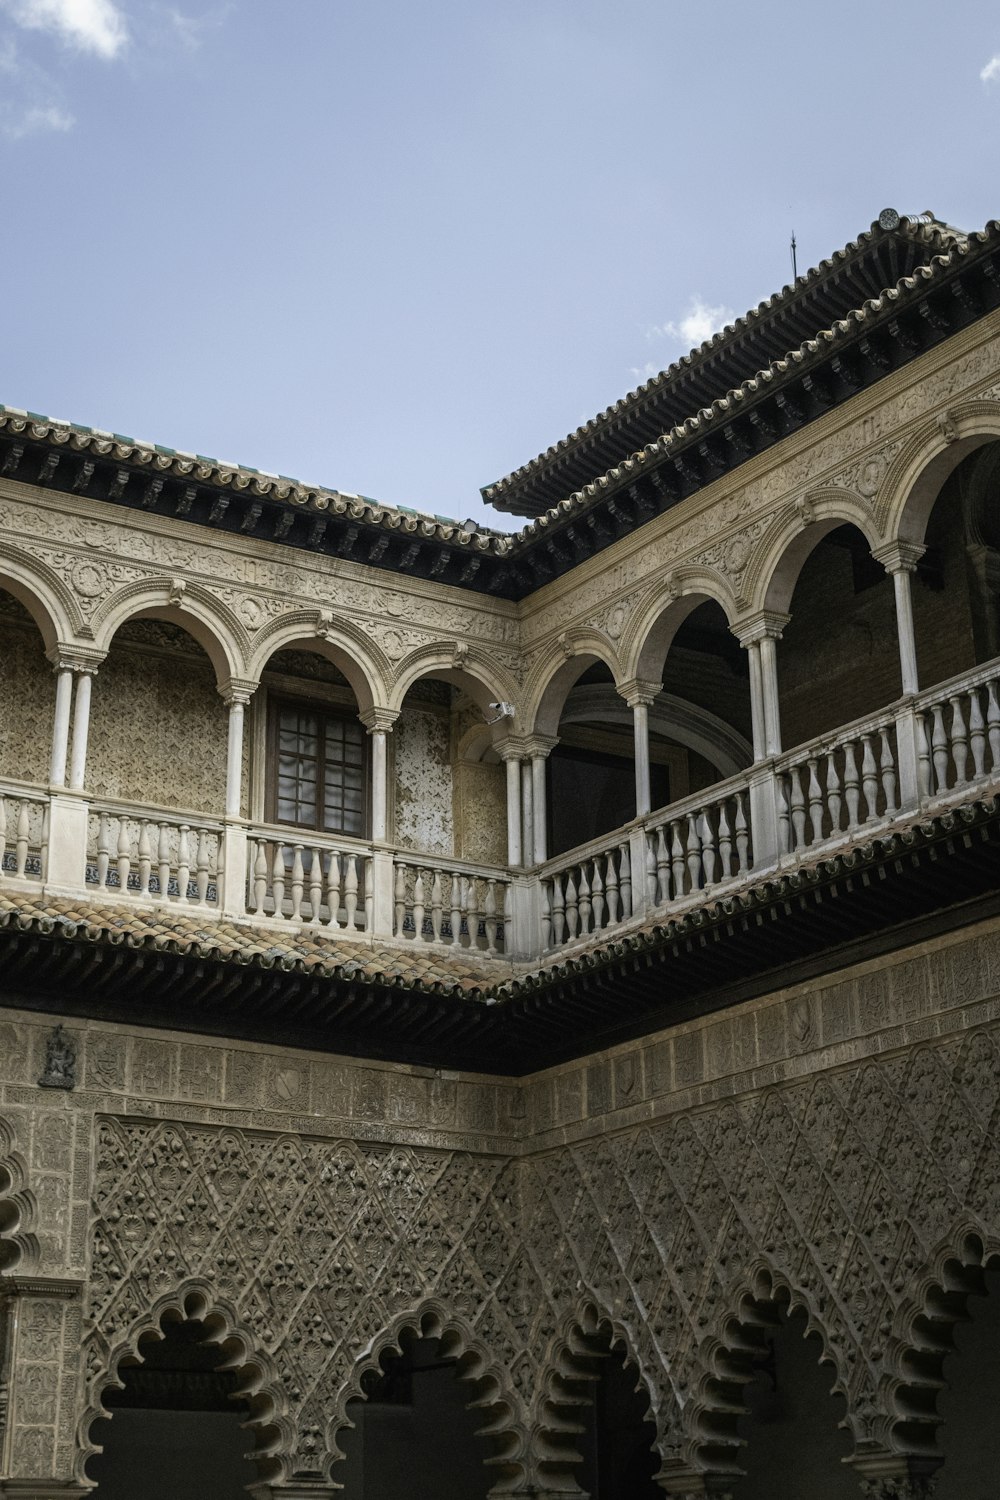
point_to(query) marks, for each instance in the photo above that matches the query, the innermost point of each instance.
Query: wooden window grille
(318, 772)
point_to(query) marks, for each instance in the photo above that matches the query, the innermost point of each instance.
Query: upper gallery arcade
(749, 626)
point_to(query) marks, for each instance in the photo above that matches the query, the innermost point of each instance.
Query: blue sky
(398, 248)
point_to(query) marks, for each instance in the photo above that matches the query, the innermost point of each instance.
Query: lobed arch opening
(184, 1395)
(18, 1242)
(596, 1435)
(945, 1384)
(426, 1414)
(770, 1424)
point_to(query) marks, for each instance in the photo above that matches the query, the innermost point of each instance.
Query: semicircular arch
(794, 535)
(206, 619)
(49, 601)
(556, 672)
(661, 612)
(915, 477)
(343, 643)
(484, 679)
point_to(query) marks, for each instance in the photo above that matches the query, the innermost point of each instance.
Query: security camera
(503, 711)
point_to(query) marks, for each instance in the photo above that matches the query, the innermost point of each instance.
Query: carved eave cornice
(932, 875)
(886, 333)
(940, 298)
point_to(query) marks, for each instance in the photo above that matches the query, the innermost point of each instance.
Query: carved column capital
(237, 690)
(899, 557)
(639, 690)
(766, 624)
(512, 749)
(379, 720)
(66, 658)
(540, 745)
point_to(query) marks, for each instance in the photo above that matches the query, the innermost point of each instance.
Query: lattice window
(318, 769)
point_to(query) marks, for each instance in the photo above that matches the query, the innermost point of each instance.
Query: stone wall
(827, 1143)
(27, 697)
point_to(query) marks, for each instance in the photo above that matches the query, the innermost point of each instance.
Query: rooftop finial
(795, 267)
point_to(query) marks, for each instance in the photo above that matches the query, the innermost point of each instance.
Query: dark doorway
(175, 1432)
(413, 1433)
(794, 1446)
(619, 1458)
(970, 1435)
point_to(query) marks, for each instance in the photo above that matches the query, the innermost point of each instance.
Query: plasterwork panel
(27, 697)
(423, 781)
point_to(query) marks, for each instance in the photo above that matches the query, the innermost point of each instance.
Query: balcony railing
(921, 752)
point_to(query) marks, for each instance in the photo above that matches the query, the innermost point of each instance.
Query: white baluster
(203, 867)
(418, 906)
(693, 854)
(124, 855)
(145, 859)
(259, 878)
(798, 808)
(334, 880)
(456, 908)
(742, 835)
(725, 841)
(625, 867)
(869, 778)
(490, 917)
(784, 814)
(977, 735)
(924, 769)
(585, 906)
(662, 867)
(183, 861)
(834, 801)
(3, 833)
(572, 910)
(887, 770)
(297, 883)
(475, 914)
(611, 885)
(400, 899)
(558, 912)
(993, 724)
(815, 801)
(162, 860)
(707, 836)
(278, 879)
(852, 785)
(959, 741)
(677, 868)
(437, 907)
(939, 749)
(597, 897)
(351, 891)
(546, 915)
(23, 836)
(315, 885)
(103, 850)
(369, 893)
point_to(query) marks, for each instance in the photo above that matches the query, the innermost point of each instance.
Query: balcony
(927, 752)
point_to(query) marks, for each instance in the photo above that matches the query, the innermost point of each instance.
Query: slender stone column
(512, 759)
(60, 727)
(527, 813)
(639, 694)
(759, 637)
(237, 701)
(900, 560)
(379, 722)
(81, 728)
(537, 752)
(234, 845)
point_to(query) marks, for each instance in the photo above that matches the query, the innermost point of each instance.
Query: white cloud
(191, 31)
(698, 324)
(91, 25)
(991, 72)
(35, 120)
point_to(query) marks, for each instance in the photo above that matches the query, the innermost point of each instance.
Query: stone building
(519, 1014)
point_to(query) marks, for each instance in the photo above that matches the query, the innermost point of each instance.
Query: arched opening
(600, 1434)
(969, 1437)
(778, 1429)
(838, 658)
(27, 696)
(591, 771)
(448, 812)
(413, 1432)
(177, 1425)
(956, 587)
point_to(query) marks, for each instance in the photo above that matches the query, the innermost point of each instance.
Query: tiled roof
(212, 937)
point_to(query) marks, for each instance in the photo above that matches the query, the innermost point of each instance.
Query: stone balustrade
(927, 748)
